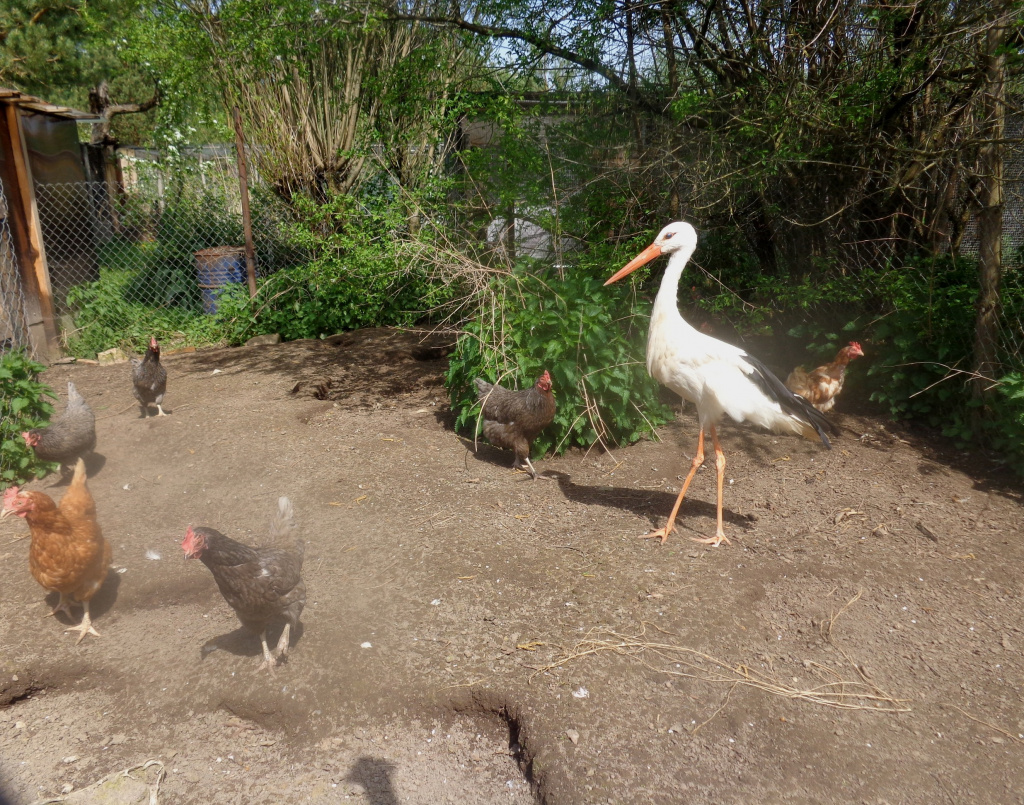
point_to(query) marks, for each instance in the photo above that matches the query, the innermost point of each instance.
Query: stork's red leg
(719, 537)
(662, 533)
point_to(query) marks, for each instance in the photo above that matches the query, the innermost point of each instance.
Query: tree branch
(539, 42)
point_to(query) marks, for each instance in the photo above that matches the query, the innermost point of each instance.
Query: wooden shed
(38, 143)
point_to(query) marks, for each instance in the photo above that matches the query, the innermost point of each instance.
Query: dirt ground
(472, 636)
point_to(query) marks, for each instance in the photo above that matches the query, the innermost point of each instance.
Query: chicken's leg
(160, 410)
(63, 605)
(268, 659)
(534, 472)
(662, 533)
(85, 627)
(285, 639)
(719, 537)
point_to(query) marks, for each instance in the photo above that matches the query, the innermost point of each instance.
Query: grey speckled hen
(513, 419)
(68, 437)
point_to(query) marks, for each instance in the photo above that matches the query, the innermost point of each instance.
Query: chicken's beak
(648, 254)
(5, 512)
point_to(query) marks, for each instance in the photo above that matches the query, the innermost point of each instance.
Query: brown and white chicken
(821, 386)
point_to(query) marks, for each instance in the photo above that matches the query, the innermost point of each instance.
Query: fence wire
(140, 239)
(150, 238)
(13, 326)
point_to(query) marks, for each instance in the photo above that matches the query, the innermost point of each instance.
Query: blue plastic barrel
(217, 267)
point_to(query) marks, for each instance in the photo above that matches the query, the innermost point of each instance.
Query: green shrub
(362, 275)
(22, 406)
(925, 352)
(928, 334)
(104, 318)
(1005, 427)
(169, 275)
(587, 336)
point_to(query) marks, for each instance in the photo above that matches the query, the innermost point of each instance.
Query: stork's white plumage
(718, 378)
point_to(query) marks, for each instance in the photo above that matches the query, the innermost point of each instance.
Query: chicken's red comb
(855, 345)
(10, 495)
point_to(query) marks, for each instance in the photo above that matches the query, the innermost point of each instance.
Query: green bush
(585, 335)
(362, 275)
(22, 406)
(1005, 427)
(925, 352)
(928, 333)
(104, 318)
(185, 227)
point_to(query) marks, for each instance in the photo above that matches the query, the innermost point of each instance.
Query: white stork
(716, 377)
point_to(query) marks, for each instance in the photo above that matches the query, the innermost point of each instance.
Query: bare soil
(472, 636)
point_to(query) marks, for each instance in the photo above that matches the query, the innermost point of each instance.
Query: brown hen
(68, 552)
(821, 386)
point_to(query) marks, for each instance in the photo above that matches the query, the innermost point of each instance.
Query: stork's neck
(665, 303)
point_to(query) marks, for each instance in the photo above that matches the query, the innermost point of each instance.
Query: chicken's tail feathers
(74, 398)
(483, 388)
(797, 378)
(283, 522)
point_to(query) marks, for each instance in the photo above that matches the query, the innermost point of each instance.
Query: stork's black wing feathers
(791, 403)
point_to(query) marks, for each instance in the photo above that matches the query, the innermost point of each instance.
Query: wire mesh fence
(13, 327)
(166, 238)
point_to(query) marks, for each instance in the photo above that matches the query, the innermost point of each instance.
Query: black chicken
(263, 585)
(149, 379)
(512, 419)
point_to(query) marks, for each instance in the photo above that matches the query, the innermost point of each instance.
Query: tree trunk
(990, 219)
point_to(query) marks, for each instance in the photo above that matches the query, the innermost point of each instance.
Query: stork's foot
(714, 541)
(84, 628)
(661, 533)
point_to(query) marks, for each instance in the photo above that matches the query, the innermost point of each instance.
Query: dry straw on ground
(680, 661)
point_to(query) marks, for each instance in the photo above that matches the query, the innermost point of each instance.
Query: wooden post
(28, 239)
(990, 219)
(243, 183)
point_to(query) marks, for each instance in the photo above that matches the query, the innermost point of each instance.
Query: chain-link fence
(13, 329)
(168, 237)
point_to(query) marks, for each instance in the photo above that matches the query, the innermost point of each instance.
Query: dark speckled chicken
(513, 419)
(263, 585)
(149, 379)
(70, 436)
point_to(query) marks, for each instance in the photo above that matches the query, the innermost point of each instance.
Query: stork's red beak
(648, 254)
